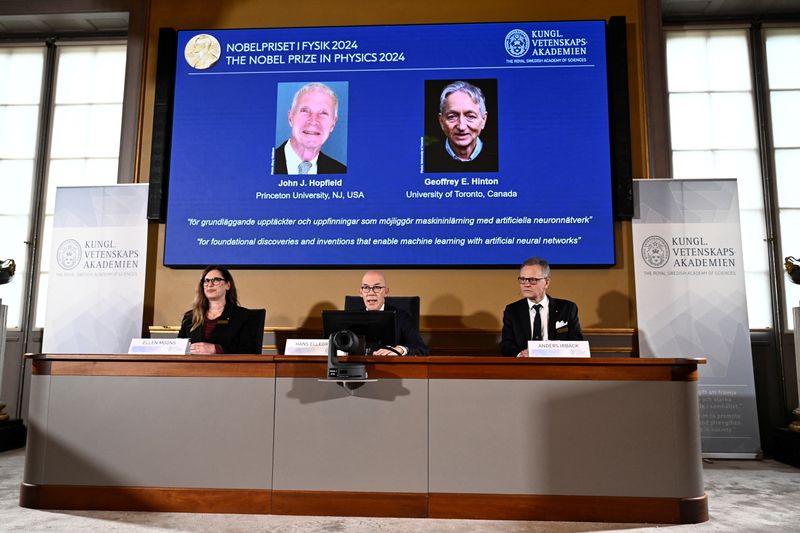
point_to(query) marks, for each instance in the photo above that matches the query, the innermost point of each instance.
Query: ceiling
(64, 23)
(728, 8)
(118, 21)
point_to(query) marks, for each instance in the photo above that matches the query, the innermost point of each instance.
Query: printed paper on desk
(308, 347)
(558, 349)
(159, 346)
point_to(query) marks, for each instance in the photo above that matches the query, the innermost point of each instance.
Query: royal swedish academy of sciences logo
(517, 43)
(655, 251)
(69, 254)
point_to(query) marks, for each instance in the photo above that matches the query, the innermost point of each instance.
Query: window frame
(767, 174)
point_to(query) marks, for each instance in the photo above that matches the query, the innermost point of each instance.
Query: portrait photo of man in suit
(538, 316)
(312, 118)
(464, 143)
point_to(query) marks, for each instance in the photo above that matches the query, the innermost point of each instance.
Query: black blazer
(238, 330)
(325, 164)
(405, 329)
(517, 324)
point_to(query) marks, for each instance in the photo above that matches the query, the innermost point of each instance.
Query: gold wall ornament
(7, 269)
(792, 267)
(794, 425)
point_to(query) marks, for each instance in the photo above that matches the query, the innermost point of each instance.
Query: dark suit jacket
(438, 160)
(325, 164)
(238, 331)
(517, 324)
(406, 331)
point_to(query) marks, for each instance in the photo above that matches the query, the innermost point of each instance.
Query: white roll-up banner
(95, 296)
(691, 302)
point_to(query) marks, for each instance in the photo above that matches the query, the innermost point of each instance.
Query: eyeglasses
(366, 289)
(213, 281)
(529, 281)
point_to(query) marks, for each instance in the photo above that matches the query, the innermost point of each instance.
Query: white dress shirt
(293, 161)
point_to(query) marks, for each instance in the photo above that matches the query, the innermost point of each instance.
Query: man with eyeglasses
(537, 316)
(462, 117)
(373, 293)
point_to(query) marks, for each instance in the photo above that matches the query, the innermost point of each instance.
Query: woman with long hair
(216, 324)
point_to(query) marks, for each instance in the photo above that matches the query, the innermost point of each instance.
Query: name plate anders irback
(159, 346)
(558, 349)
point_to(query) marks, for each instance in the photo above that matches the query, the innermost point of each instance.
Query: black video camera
(347, 341)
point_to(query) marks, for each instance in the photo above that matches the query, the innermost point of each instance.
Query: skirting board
(407, 505)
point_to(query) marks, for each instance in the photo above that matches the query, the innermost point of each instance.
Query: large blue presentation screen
(414, 145)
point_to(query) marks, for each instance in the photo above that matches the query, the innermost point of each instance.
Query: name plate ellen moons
(159, 346)
(558, 349)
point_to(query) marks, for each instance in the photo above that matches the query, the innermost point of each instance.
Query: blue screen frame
(547, 119)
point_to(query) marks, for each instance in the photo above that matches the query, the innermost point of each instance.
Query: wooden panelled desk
(613, 440)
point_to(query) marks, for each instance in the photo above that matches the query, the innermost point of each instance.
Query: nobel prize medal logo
(655, 251)
(69, 254)
(202, 51)
(517, 43)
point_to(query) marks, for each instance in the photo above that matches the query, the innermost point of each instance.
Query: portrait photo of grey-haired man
(312, 118)
(466, 140)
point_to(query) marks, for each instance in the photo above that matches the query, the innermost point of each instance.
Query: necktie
(304, 167)
(537, 323)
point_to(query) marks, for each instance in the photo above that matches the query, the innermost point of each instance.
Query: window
(714, 135)
(783, 81)
(83, 145)
(19, 117)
